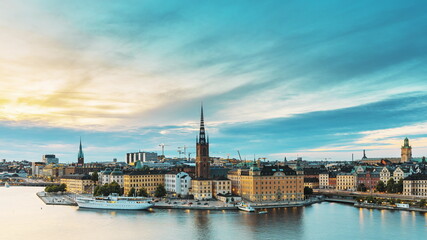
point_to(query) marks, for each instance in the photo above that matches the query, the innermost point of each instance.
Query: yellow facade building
(78, 183)
(149, 180)
(271, 183)
(201, 189)
(346, 181)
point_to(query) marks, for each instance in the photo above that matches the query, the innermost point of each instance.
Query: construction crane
(163, 148)
(240, 157)
(184, 150)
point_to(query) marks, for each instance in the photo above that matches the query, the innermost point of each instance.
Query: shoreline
(379, 207)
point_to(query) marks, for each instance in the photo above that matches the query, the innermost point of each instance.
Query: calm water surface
(24, 216)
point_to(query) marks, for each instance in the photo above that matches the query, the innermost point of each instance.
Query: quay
(375, 206)
(56, 199)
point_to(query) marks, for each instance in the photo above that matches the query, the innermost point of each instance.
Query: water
(24, 216)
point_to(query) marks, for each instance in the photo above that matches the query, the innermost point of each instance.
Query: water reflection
(201, 223)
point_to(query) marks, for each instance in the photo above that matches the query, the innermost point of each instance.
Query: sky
(321, 80)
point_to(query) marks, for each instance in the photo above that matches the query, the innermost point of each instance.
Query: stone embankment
(375, 206)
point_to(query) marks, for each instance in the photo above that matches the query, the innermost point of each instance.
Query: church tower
(80, 156)
(202, 151)
(406, 151)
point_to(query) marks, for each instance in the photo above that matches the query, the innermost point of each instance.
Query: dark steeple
(202, 134)
(364, 155)
(80, 156)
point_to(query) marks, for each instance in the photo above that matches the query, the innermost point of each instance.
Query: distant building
(132, 158)
(221, 187)
(37, 168)
(311, 182)
(201, 189)
(50, 159)
(406, 151)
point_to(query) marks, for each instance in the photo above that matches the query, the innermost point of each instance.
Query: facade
(179, 183)
(201, 189)
(271, 183)
(108, 176)
(37, 168)
(415, 185)
(406, 151)
(346, 181)
(311, 182)
(143, 179)
(78, 183)
(324, 180)
(386, 173)
(400, 173)
(221, 187)
(132, 158)
(50, 159)
(369, 179)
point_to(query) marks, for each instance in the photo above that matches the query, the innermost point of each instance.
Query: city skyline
(276, 79)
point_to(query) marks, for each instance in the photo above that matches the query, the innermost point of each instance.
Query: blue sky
(320, 80)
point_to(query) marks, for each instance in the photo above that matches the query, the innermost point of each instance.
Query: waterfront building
(78, 183)
(201, 189)
(80, 156)
(143, 179)
(346, 181)
(179, 183)
(50, 159)
(221, 187)
(324, 180)
(311, 182)
(368, 178)
(108, 176)
(406, 151)
(271, 183)
(415, 185)
(332, 180)
(132, 158)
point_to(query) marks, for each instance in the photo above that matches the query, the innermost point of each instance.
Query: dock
(56, 199)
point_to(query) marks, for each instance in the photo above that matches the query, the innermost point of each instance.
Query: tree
(361, 187)
(131, 192)
(107, 189)
(56, 188)
(95, 176)
(308, 191)
(390, 186)
(142, 192)
(160, 191)
(399, 186)
(97, 191)
(380, 186)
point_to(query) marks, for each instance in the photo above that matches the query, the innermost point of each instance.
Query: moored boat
(6, 184)
(245, 207)
(114, 202)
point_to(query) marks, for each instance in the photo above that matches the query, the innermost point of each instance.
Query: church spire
(202, 134)
(80, 156)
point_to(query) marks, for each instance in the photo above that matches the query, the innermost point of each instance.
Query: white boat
(114, 202)
(246, 207)
(6, 184)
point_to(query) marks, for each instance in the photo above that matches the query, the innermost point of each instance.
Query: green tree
(145, 168)
(390, 186)
(399, 186)
(380, 186)
(131, 192)
(95, 176)
(361, 187)
(308, 191)
(97, 191)
(422, 203)
(114, 188)
(160, 191)
(142, 192)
